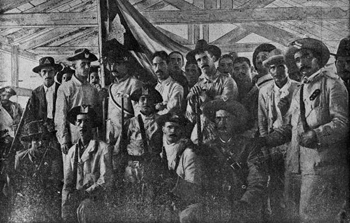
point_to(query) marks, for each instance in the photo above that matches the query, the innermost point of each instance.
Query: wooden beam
(76, 34)
(232, 36)
(244, 15)
(256, 4)
(236, 47)
(173, 36)
(226, 4)
(271, 32)
(6, 5)
(157, 6)
(182, 4)
(62, 19)
(62, 50)
(143, 5)
(7, 48)
(14, 65)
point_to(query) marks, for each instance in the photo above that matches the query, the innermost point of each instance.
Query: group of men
(207, 144)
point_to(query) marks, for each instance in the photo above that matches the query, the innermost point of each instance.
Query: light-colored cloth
(220, 86)
(94, 173)
(262, 81)
(71, 94)
(172, 93)
(10, 119)
(269, 115)
(50, 95)
(125, 86)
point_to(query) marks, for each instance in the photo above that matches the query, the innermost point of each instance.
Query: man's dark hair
(162, 54)
(242, 60)
(318, 56)
(177, 52)
(226, 56)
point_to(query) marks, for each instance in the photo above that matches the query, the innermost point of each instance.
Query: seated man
(183, 167)
(88, 174)
(237, 176)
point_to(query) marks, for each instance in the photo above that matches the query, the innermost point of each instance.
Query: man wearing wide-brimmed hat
(73, 93)
(184, 169)
(237, 179)
(316, 178)
(119, 64)
(273, 104)
(10, 112)
(342, 62)
(88, 171)
(65, 74)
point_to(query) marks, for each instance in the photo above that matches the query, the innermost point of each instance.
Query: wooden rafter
(62, 50)
(175, 37)
(6, 5)
(245, 15)
(71, 36)
(236, 47)
(182, 4)
(256, 4)
(143, 5)
(70, 19)
(22, 53)
(232, 36)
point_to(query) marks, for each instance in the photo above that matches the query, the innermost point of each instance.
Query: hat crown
(344, 47)
(33, 128)
(46, 61)
(201, 44)
(275, 52)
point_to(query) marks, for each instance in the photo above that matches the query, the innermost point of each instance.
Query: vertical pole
(14, 66)
(100, 40)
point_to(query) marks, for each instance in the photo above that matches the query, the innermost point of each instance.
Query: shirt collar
(166, 81)
(46, 89)
(211, 79)
(312, 78)
(284, 87)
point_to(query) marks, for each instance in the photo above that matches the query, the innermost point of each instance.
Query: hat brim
(233, 107)
(79, 56)
(29, 138)
(276, 59)
(11, 91)
(162, 119)
(37, 69)
(154, 94)
(72, 116)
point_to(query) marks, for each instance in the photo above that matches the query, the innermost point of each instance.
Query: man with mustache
(316, 176)
(175, 69)
(237, 179)
(11, 111)
(88, 176)
(212, 84)
(172, 92)
(192, 72)
(273, 104)
(260, 54)
(342, 61)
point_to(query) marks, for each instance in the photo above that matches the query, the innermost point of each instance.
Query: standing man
(237, 179)
(73, 93)
(124, 84)
(172, 92)
(175, 69)
(260, 54)
(192, 72)
(88, 172)
(226, 64)
(11, 111)
(342, 61)
(274, 102)
(316, 178)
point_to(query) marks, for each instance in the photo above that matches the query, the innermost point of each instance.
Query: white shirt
(49, 94)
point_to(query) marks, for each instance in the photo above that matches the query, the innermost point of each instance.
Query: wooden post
(14, 65)
(100, 40)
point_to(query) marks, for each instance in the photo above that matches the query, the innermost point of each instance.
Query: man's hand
(309, 139)
(160, 106)
(283, 105)
(65, 147)
(196, 90)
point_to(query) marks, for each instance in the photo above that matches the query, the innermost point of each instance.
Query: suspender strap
(143, 133)
(302, 110)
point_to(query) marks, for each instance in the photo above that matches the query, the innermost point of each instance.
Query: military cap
(274, 57)
(46, 62)
(343, 48)
(147, 90)
(85, 110)
(308, 43)
(82, 54)
(233, 107)
(264, 47)
(174, 115)
(33, 130)
(9, 90)
(202, 45)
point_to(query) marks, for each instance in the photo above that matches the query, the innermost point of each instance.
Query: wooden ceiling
(58, 27)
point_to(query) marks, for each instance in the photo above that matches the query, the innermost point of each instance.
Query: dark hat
(65, 70)
(114, 51)
(9, 90)
(33, 130)
(202, 45)
(147, 90)
(46, 62)
(265, 47)
(175, 116)
(274, 57)
(82, 54)
(233, 107)
(343, 48)
(308, 43)
(83, 109)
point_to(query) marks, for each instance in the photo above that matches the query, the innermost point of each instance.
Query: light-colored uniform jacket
(125, 86)
(10, 120)
(172, 93)
(94, 171)
(269, 116)
(71, 94)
